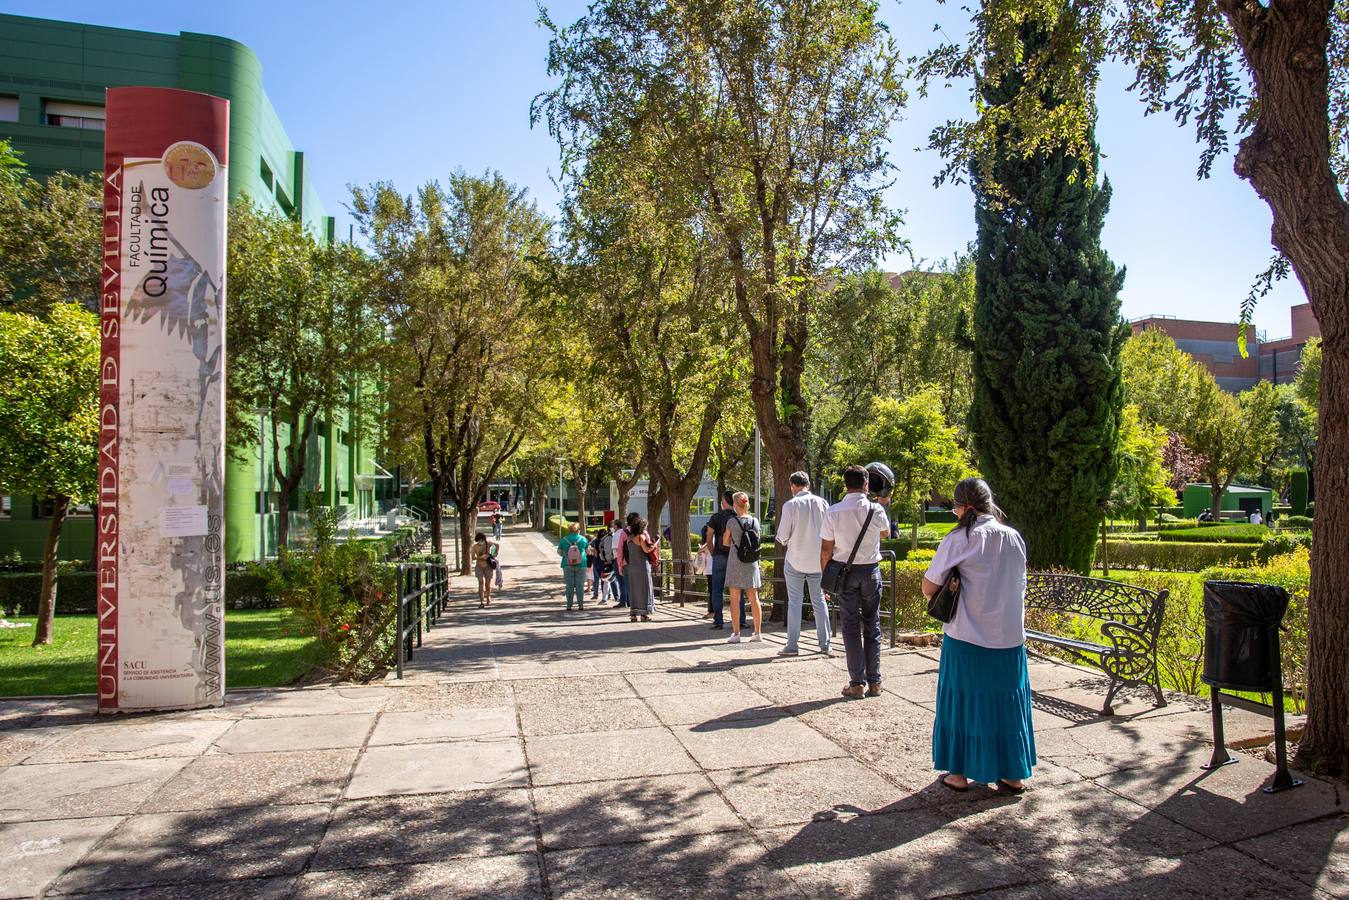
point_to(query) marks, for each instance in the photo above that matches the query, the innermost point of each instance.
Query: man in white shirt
(798, 530)
(859, 599)
(1256, 518)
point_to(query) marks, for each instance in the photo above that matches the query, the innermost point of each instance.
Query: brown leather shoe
(853, 692)
(874, 689)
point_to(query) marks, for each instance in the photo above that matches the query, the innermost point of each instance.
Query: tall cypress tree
(1047, 388)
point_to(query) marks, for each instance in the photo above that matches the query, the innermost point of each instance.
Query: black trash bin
(1238, 622)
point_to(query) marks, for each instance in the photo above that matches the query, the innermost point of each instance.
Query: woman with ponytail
(983, 729)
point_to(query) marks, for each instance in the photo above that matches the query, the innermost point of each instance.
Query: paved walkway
(535, 753)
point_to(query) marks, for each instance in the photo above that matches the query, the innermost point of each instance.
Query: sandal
(949, 786)
(646, 618)
(1008, 788)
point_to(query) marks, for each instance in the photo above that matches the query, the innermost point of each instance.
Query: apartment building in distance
(1214, 345)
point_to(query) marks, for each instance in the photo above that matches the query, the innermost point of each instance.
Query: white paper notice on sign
(182, 521)
(182, 486)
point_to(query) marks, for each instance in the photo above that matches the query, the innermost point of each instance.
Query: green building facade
(52, 81)
(1239, 498)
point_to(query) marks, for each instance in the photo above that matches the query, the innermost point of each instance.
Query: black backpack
(747, 549)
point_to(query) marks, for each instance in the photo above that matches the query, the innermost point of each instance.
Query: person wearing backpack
(742, 536)
(572, 549)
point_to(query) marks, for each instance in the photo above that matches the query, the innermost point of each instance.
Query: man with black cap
(851, 537)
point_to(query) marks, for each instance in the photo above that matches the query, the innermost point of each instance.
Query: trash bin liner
(1238, 617)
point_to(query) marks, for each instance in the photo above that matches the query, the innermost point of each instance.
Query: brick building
(1214, 344)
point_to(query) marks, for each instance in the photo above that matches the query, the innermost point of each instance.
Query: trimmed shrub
(1295, 523)
(1174, 556)
(910, 604)
(1297, 492)
(1218, 534)
(1311, 510)
(77, 592)
(1168, 519)
(1280, 544)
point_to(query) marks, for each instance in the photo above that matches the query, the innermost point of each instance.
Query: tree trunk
(1286, 158)
(1105, 549)
(467, 529)
(46, 604)
(579, 484)
(655, 507)
(283, 517)
(437, 523)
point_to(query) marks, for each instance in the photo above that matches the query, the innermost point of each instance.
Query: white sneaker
(755, 639)
(733, 639)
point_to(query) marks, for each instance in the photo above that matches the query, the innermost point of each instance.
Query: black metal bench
(1131, 620)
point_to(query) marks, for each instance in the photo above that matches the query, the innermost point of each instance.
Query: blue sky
(410, 90)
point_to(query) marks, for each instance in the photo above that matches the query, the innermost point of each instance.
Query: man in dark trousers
(716, 579)
(846, 526)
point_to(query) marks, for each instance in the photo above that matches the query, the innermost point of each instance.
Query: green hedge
(1174, 556)
(1282, 543)
(1218, 534)
(76, 592)
(1295, 523)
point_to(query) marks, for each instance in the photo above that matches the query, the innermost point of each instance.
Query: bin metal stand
(1283, 779)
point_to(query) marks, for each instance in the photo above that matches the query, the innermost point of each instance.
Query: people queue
(983, 729)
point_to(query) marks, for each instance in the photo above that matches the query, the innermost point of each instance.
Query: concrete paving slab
(437, 768)
(1315, 853)
(656, 684)
(606, 755)
(618, 812)
(1074, 828)
(722, 865)
(574, 717)
(223, 780)
(34, 854)
(1226, 803)
(590, 687)
(909, 854)
(70, 790)
(485, 723)
(450, 697)
(287, 734)
(881, 724)
(426, 828)
(795, 793)
(281, 887)
(201, 846)
(489, 878)
(19, 744)
(710, 706)
(754, 742)
(321, 702)
(1219, 872)
(142, 738)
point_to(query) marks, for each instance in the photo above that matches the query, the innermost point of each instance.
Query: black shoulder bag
(942, 605)
(836, 573)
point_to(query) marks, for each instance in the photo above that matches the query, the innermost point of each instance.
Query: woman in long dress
(742, 577)
(635, 563)
(983, 728)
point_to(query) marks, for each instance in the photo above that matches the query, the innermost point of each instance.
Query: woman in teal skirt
(983, 730)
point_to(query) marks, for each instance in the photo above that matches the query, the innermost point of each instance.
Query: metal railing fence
(423, 589)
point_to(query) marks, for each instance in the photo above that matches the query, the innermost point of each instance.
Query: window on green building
(9, 109)
(73, 115)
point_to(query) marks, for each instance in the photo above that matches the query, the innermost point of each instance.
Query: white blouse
(992, 562)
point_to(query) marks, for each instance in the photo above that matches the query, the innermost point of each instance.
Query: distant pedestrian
(485, 564)
(798, 529)
(856, 522)
(1256, 518)
(635, 566)
(620, 554)
(983, 730)
(713, 539)
(496, 525)
(595, 556)
(572, 549)
(742, 574)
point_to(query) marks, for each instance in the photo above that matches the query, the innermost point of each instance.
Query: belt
(865, 567)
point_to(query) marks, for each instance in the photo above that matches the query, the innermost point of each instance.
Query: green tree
(49, 422)
(1142, 482)
(1160, 379)
(1231, 433)
(295, 306)
(912, 437)
(1308, 381)
(773, 118)
(1275, 73)
(471, 342)
(1047, 334)
(51, 236)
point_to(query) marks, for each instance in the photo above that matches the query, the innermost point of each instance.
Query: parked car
(488, 506)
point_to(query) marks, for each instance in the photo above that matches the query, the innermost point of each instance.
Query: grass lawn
(263, 648)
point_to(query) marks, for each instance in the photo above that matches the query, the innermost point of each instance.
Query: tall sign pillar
(161, 465)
